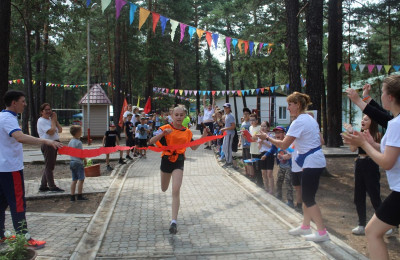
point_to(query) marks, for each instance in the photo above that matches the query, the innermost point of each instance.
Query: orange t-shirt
(177, 136)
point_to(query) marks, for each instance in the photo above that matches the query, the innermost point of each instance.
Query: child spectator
(283, 159)
(129, 129)
(111, 139)
(76, 164)
(266, 165)
(137, 122)
(142, 129)
(244, 143)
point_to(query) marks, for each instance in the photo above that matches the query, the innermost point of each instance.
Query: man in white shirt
(12, 191)
(207, 117)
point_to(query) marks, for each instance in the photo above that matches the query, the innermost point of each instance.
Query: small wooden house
(99, 111)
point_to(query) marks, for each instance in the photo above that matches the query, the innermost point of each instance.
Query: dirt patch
(64, 205)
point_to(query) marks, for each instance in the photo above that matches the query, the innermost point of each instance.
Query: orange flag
(240, 45)
(123, 110)
(199, 33)
(209, 38)
(143, 14)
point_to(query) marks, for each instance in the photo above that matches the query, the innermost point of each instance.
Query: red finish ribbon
(88, 153)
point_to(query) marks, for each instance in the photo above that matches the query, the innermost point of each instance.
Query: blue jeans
(78, 173)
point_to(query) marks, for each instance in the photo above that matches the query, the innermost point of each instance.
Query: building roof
(97, 96)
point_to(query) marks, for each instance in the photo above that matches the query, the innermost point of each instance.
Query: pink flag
(347, 66)
(261, 46)
(228, 43)
(156, 18)
(118, 6)
(176, 91)
(167, 90)
(195, 92)
(370, 68)
(183, 28)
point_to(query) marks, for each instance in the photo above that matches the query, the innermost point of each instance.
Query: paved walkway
(223, 215)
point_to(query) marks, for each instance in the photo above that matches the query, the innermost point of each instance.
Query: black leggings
(366, 180)
(309, 185)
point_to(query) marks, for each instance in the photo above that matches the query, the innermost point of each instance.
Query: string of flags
(49, 84)
(212, 38)
(370, 67)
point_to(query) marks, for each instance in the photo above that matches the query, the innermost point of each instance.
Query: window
(282, 112)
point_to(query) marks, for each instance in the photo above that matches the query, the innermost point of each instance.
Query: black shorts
(389, 210)
(168, 167)
(246, 153)
(309, 185)
(142, 142)
(295, 178)
(130, 142)
(268, 163)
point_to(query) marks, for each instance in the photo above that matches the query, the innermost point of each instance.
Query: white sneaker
(317, 237)
(299, 231)
(389, 232)
(360, 231)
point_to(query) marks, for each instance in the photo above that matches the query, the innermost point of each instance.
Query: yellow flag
(387, 68)
(339, 65)
(180, 92)
(143, 14)
(138, 101)
(199, 33)
(240, 42)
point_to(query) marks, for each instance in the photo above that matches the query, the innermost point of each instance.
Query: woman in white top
(388, 214)
(208, 117)
(304, 133)
(254, 129)
(48, 128)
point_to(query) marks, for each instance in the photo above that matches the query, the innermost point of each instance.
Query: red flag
(123, 110)
(147, 107)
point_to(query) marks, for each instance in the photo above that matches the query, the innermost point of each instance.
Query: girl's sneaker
(299, 231)
(317, 237)
(359, 231)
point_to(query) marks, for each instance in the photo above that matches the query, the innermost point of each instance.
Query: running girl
(172, 162)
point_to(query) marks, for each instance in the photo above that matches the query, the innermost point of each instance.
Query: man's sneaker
(299, 231)
(72, 199)
(359, 231)
(227, 165)
(173, 229)
(36, 244)
(317, 237)
(221, 160)
(56, 189)
(44, 189)
(109, 168)
(128, 157)
(121, 161)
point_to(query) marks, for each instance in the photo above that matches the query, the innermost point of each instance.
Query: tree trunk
(242, 86)
(227, 69)
(210, 75)
(197, 65)
(5, 16)
(28, 74)
(110, 65)
(258, 96)
(177, 78)
(117, 74)
(43, 77)
(150, 69)
(314, 16)
(37, 83)
(334, 81)
(293, 50)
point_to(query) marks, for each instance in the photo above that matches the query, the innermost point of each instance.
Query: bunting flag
(339, 65)
(251, 46)
(174, 25)
(183, 29)
(387, 68)
(260, 47)
(87, 3)
(199, 33)
(396, 67)
(143, 15)
(156, 18)
(147, 107)
(105, 4)
(347, 66)
(246, 46)
(164, 21)
(228, 43)
(354, 66)
(215, 39)
(209, 38)
(138, 101)
(234, 43)
(132, 11)
(118, 6)
(192, 30)
(379, 67)
(361, 67)
(371, 68)
(240, 42)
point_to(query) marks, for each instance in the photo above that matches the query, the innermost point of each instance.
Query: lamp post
(88, 78)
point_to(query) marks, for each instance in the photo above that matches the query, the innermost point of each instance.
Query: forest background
(46, 41)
